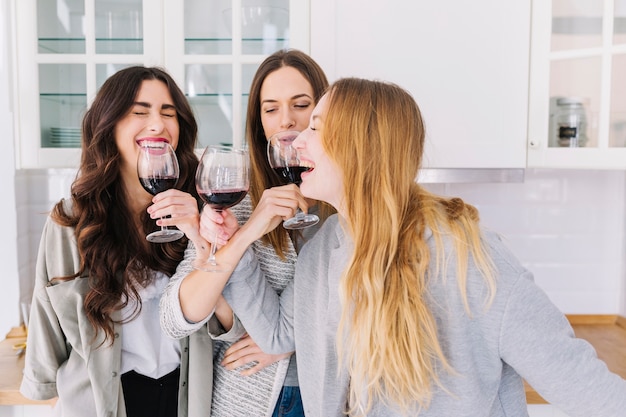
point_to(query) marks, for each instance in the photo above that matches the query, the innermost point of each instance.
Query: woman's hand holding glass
(158, 170)
(217, 226)
(222, 181)
(180, 209)
(276, 204)
(284, 159)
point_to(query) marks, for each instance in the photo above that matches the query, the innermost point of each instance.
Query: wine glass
(222, 182)
(285, 161)
(157, 168)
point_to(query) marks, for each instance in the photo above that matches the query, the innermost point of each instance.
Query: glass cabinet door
(577, 112)
(60, 26)
(617, 121)
(224, 42)
(586, 50)
(68, 32)
(66, 49)
(62, 102)
(119, 27)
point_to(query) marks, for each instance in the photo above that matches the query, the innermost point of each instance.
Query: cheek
(302, 122)
(174, 130)
(270, 123)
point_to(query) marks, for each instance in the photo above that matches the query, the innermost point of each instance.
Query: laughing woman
(94, 339)
(402, 305)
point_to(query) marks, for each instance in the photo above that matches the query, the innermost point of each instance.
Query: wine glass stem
(211, 259)
(163, 228)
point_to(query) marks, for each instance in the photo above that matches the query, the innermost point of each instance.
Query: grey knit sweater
(521, 335)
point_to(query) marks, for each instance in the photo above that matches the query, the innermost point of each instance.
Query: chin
(307, 191)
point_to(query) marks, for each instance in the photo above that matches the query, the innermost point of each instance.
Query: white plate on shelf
(65, 136)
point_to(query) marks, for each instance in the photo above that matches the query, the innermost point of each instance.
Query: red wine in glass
(291, 173)
(157, 169)
(157, 185)
(222, 182)
(222, 199)
(285, 161)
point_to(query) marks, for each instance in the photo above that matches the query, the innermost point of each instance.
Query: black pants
(147, 397)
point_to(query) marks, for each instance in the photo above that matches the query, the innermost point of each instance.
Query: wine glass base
(301, 222)
(164, 236)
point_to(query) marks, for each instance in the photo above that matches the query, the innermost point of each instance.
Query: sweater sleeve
(173, 322)
(267, 317)
(538, 341)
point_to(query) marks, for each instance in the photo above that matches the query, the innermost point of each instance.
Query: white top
(145, 348)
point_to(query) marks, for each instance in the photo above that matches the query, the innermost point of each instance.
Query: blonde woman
(401, 304)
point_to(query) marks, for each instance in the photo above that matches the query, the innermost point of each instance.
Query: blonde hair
(387, 334)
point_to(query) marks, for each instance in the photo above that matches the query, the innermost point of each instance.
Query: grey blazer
(64, 359)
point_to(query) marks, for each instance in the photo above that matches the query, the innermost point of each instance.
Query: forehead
(285, 81)
(320, 108)
(153, 91)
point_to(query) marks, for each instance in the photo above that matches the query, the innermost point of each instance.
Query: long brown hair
(113, 251)
(388, 335)
(261, 174)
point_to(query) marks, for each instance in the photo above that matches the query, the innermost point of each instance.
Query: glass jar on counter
(571, 122)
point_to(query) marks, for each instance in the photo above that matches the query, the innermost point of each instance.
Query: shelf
(103, 45)
(581, 25)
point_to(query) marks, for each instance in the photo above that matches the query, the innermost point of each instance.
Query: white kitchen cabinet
(466, 64)
(65, 49)
(578, 50)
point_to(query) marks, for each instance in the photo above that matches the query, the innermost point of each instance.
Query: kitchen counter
(607, 334)
(11, 366)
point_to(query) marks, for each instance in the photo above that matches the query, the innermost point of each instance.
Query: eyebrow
(148, 105)
(297, 96)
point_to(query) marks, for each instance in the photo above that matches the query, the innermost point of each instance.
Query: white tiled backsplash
(567, 226)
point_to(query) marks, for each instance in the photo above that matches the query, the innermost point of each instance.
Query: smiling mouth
(310, 166)
(156, 143)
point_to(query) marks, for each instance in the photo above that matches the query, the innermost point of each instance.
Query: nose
(298, 142)
(155, 123)
(288, 121)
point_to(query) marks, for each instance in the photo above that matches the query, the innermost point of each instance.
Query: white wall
(9, 311)
(567, 226)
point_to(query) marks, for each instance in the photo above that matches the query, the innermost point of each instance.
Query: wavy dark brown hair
(261, 174)
(114, 254)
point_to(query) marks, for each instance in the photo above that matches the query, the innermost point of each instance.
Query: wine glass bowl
(285, 161)
(158, 171)
(222, 181)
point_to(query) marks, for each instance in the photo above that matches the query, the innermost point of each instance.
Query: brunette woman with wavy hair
(94, 338)
(402, 304)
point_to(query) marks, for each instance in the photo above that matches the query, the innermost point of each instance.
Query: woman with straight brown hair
(284, 91)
